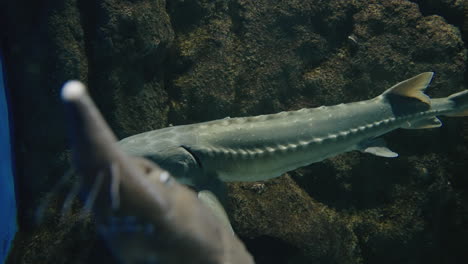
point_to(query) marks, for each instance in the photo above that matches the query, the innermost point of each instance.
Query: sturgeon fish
(141, 211)
(266, 146)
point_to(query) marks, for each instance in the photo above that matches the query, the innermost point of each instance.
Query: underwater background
(152, 63)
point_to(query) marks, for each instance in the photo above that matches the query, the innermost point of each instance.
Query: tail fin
(460, 100)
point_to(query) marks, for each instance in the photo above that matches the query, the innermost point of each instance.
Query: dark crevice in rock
(449, 10)
(27, 76)
(175, 65)
(235, 12)
(91, 15)
(465, 35)
(313, 53)
(184, 15)
(88, 17)
(465, 24)
(270, 250)
(338, 34)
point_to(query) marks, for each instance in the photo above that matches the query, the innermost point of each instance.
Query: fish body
(266, 146)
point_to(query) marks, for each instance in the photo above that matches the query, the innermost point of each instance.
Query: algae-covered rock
(451, 10)
(280, 209)
(72, 240)
(128, 42)
(154, 63)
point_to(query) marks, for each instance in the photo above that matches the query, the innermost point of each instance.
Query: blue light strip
(8, 225)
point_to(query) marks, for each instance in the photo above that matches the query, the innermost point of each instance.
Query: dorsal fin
(413, 87)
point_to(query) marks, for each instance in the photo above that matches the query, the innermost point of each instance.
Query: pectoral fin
(377, 147)
(381, 152)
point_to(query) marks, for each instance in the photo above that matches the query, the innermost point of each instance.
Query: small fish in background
(141, 211)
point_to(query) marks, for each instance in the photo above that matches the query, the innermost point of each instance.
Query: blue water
(7, 191)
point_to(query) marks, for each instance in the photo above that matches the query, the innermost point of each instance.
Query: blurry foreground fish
(143, 214)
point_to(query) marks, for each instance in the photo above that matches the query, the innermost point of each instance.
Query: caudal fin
(460, 101)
